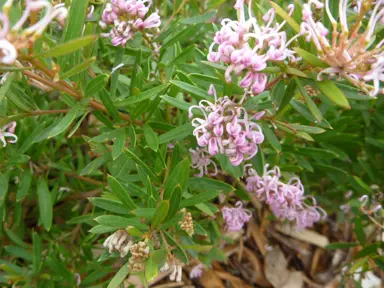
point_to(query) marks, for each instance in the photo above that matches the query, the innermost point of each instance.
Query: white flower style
(8, 132)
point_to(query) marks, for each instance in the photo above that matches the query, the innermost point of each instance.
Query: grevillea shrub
(140, 137)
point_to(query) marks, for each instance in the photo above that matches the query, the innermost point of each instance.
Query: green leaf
(3, 188)
(119, 144)
(142, 164)
(198, 19)
(199, 198)
(110, 205)
(362, 184)
(37, 252)
(20, 99)
(195, 91)
(289, 93)
(45, 204)
(311, 105)
(68, 47)
(96, 85)
(151, 138)
(151, 270)
(310, 58)
(175, 201)
(333, 93)
(272, 139)
(178, 103)
(179, 251)
(64, 123)
(77, 125)
(136, 69)
(101, 229)
(78, 68)
(5, 87)
(207, 184)
(16, 239)
(19, 252)
(359, 230)
(279, 11)
(308, 129)
(258, 162)
(147, 213)
(121, 193)
(179, 176)
(177, 133)
(24, 186)
(142, 96)
(120, 222)
(105, 97)
(75, 20)
(161, 213)
(119, 277)
(177, 37)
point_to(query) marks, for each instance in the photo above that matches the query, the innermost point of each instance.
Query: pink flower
(126, 17)
(235, 218)
(226, 128)
(196, 271)
(4, 134)
(200, 160)
(246, 47)
(287, 201)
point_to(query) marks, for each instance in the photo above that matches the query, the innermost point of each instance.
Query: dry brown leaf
(235, 281)
(260, 239)
(258, 273)
(295, 280)
(211, 280)
(305, 235)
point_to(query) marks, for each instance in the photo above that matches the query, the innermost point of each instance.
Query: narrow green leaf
(24, 186)
(272, 139)
(110, 205)
(16, 239)
(20, 99)
(310, 58)
(179, 251)
(3, 188)
(333, 93)
(311, 105)
(198, 19)
(175, 201)
(142, 164)
(207, 184)
(179, 176)
(147, 213)
(68, 47)
(199, 198)
(177, 133)
(45, 204)
(77, 125)
(119, 144)
(107, 101)
(362, 185)
(195, 91)
(136, 68)
(101, 229)
(120, 222)
(359, 230)
(37, 252)
(18, 252)
(96, 85)
(289, 93)
(178, 103)
(5, 87)
(65, 122)
(280, 11)
(161, 213)
(308, 129)
(151, 138)
(121, 193)
(151, 270)
(119, 277)
(142, 96)
(78, 68)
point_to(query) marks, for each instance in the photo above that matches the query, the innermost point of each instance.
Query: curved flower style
(226, 129)
(200, 160)
(10, 134)
(125, 18)
(13, 39)
(235, 218)
(287, 201)
(246, 47)
(351, 53)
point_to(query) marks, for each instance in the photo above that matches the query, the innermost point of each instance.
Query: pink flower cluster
(15, 38)
(287, 201)
(236, 217)
(350, 52)
(8, 131)
(200, 160)
(197, 271)
(226, 128)
(125, 17)
(246, 47)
